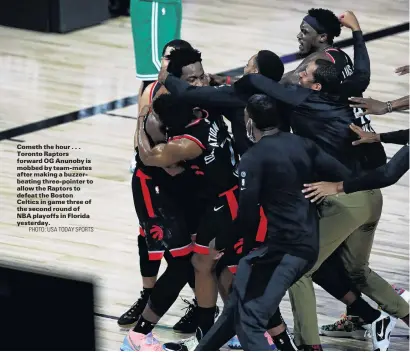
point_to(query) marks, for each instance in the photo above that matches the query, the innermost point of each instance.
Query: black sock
(206, 318)
(363, 310)
(147, 291)
(143, 326)
(284, 341)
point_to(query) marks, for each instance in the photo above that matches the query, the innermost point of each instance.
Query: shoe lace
(189, 310)
(137, 303)
(343, 319)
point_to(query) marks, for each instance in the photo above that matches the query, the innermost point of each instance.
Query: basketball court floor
(79, 89)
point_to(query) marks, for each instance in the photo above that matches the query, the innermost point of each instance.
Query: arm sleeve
(383, 176)
(248, 214)
(396, 137)
(357, 83)
(292, 95)
(327, 167)
(215, 97)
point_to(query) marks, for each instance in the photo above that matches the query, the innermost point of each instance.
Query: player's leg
(168, 233)
(142, 188)
(339, 217)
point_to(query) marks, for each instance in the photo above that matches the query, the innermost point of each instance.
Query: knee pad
(148, 268)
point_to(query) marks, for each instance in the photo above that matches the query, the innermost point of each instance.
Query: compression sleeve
(357, 83)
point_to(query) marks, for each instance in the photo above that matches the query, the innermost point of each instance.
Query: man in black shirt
(271, 173)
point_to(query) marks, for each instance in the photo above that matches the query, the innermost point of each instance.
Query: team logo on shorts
(238, 246)
(157, 233)
(243, 174)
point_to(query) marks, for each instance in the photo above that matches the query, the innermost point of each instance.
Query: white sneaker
(381, 330)
(188, 344)
(402, 292)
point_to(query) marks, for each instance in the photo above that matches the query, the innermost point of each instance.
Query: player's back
(342, 61)
(287, 162)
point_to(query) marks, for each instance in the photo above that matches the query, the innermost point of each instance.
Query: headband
(312, 21)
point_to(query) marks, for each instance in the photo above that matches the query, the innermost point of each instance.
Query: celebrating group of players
(233, 211)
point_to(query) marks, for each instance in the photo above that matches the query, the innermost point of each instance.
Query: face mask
(249, 131)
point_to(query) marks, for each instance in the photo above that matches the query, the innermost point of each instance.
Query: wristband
(389, 106)
(228, 80)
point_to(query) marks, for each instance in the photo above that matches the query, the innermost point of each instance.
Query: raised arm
(357, 83)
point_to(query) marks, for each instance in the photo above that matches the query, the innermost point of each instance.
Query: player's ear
(323, 38)
(316, 86)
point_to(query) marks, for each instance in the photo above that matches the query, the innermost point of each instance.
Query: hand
(319, 190)
(365, 137)
(403, 70)
(163, 73)
(349, 20)
(215, 254)
(369, 106)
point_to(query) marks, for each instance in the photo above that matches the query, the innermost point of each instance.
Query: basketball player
(311, 112)
(206, 147)
(317, 32)
(271, 173)
(150, 268)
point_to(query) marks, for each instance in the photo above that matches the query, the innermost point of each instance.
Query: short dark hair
(172, 112)
(180, 58)
(326, 74)
(328, 20)
(177, 44)
(270, 65)
(263, 111)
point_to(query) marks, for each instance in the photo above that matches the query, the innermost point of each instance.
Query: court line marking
(132, 100)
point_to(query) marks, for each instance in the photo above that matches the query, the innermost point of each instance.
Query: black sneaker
(189, 322)
(130, 317)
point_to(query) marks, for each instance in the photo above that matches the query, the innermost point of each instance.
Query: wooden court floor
(47, 75)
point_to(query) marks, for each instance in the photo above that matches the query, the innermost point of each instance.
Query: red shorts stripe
(155, 255)
(198, 248)
(191, 138)
(183, 251)
(262, 228)
(232, 201)
(145, 192)
(232, 268)
(152, 91)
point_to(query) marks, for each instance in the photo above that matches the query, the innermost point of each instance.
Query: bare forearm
(400, 104)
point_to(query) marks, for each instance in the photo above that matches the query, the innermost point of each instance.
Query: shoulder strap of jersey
(154, 89)
(197, 131)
